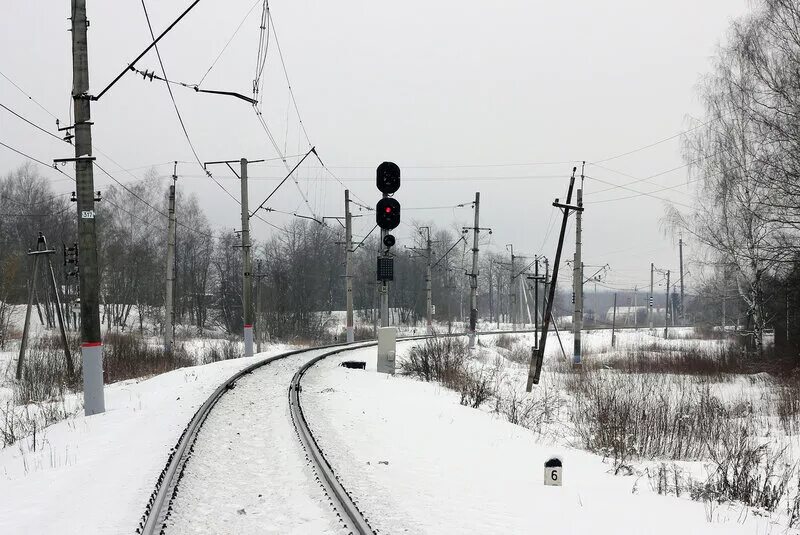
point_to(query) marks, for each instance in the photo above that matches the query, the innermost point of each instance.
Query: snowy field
(420, 462)
(415, 459)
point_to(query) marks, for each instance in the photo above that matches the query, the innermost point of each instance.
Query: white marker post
(552, 472)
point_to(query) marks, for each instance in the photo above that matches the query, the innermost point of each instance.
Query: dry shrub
(625, 417)
(129, 356)
(44, 371)
(225, 350)
(506, 341)
(440, 359)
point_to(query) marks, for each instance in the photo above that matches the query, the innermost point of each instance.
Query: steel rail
(159, 506)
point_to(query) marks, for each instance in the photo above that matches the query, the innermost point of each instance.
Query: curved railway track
(159, 506)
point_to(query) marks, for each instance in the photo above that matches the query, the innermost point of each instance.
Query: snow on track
(94, 475)
(416, 461)
(249, 472)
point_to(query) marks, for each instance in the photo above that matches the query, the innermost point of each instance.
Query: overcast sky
(497, 97)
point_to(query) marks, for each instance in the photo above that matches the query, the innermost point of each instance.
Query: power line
(638, 193)
(229, 42)
(29, 97)
(670, 138)
(31, 123)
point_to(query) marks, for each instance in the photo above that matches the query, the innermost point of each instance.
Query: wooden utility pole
(348, 271)
(169, 303)
(536, 365)
(41, 249)
(473, 277)
(91, 341)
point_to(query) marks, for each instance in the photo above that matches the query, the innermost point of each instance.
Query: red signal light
(388, 209)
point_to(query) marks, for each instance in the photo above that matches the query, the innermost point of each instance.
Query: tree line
(299, 268)
(744, 154)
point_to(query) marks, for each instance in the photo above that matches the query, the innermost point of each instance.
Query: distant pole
(666, 310)
(652, 298)
(683, 309)
(473, 279)
(59, 314)
(536, 302)
(91, 341)
(577, 282)
(614, 323)
(491, 294)
(635, 309)
(258, 325)
(247, 272)
(428, 283)
(169, 301)
(512, 296)
(348, 243)
(26, 326)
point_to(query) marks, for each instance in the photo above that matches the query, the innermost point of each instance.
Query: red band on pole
(248, 325)
(91, 344)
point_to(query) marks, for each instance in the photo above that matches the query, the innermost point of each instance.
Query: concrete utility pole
(428, 285)
(91, 341)
(169, 303)
(666, 310)
(512, 295)
(348, 238)
(651, 299)
(682, 311)
(614, 323)
(473, 277)
(577, 284)
(537, 358)
(247, 275)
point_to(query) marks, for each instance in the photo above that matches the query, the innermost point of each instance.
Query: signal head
(388, 177)
(387, 213)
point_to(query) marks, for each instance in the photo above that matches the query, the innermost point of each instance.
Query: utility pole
(577, 284)
(650, 302)
(473, 277)
(682, 311)
(169, 303)
(512, 296)
(258, 326)
(247, 291)
(428, 283)
(348, 238)
(491, 294)
(91, 341)
(666, 310)
(536, 366)
(614, 323)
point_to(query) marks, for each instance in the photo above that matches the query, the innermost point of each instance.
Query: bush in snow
(224, 350)
(129, 356)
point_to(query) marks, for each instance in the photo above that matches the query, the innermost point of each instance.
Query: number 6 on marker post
(552, 472)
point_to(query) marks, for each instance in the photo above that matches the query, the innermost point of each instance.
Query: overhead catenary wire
(175, 104)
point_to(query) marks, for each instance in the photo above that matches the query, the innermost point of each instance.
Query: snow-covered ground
(95, 474)
(415, 460)
(419, 462)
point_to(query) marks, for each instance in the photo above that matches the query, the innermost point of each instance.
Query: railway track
(159, 506)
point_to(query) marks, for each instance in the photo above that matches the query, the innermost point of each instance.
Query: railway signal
(387, 217)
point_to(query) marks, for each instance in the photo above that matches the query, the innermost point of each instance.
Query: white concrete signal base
(387, 347)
